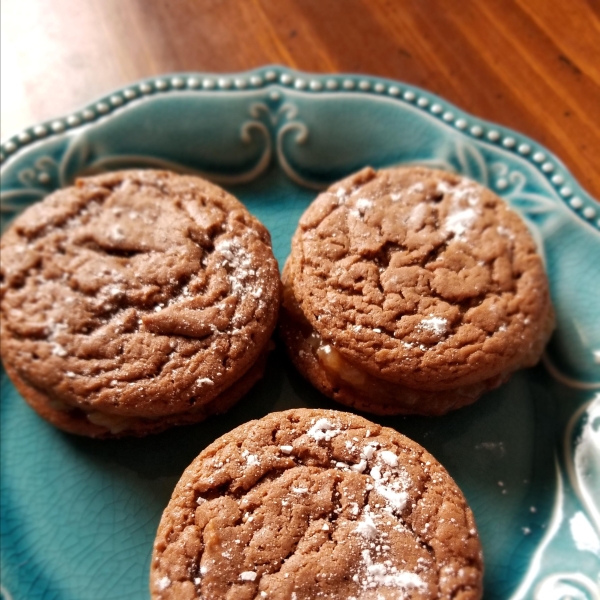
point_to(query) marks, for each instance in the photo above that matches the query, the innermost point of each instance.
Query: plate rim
(566, 187)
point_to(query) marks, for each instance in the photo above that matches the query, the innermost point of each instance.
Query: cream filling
(114, 423)
(334, 362)
(364, 383)
(338, 367)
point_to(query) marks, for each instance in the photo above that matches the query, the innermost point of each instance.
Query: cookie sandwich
(134, 301)
(412, 291)
(308, 504)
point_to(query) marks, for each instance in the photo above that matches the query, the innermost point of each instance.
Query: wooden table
(533, 65)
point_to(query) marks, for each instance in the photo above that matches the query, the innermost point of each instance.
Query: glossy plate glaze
(79, 516)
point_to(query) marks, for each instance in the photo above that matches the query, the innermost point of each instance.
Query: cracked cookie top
(137, 293)
(422, 277)
(308, 504)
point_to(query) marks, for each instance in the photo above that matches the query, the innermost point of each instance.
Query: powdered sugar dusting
(323, 430)
(387, 575)
(57, 349)
(117, 234)
(362, 204)
(467, 191)
(396, 499)
(368, 451)
(247, 575)
(443, 187)
(240, 264)
(391, 481)
(360, 466)
(341, 193)
(416, 187)
(389, 458)
(437, 325)
(506, 232)
(459, 222)
(366, 527)
(417, 216)
(251, 459)
(163, 583)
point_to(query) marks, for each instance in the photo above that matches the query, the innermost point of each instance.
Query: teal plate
(79, 516)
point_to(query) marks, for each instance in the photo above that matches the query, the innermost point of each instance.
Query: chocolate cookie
(308, 504)
(134, 301)
(411, 290)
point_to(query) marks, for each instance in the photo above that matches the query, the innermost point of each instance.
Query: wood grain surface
(533, 65)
